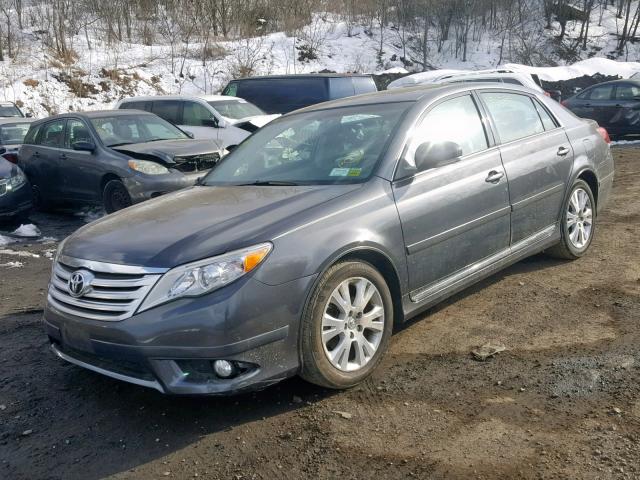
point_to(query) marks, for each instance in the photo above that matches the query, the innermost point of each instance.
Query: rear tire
(341, 346)
(578, 224)
(115, 196)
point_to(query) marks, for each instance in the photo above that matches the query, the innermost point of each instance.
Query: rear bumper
(248, 322)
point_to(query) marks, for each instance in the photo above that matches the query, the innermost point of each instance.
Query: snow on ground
(90, 214)
(18, 253)
(12, 264)
(113, 71)
(623, 143)
(28, 230)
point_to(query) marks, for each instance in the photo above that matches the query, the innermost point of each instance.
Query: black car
(15, 194)
(614, 105)
(115, 158)
(285, 93)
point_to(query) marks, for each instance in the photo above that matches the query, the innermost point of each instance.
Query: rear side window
(282, 95)
(146, 106)
(168, 110)
(627, 92)
(604, 92)
(547, 120)
(514, 115)
(341, 87)
(30, 138)
(364, 85)
(456, 120)
(231, 90)
(52, 134)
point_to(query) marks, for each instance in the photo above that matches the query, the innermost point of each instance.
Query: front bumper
(16, 202)
(248, 322)
(142, 187)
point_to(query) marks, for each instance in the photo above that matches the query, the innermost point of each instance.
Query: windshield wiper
(119, 144)
(274, 183)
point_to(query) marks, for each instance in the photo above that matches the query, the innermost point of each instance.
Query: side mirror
(84, 146)
(433, 155)
(189, 134)
(213, 123)
(29, 115)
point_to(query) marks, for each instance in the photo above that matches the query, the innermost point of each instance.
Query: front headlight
(17, 180)
(145, 166)
(204, 276)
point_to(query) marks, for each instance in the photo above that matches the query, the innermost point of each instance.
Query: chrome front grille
(114, 292)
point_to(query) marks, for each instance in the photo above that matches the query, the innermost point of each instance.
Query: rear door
(169, 110)
(537, 157)
(597, 104)
(44, 162)
(455, 215)
(626, 118)
(81, 170)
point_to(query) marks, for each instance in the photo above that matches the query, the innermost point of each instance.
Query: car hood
(197, 223)
(166, 150)
(257, 120)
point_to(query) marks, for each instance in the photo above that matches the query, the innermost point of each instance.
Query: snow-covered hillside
(104, 73)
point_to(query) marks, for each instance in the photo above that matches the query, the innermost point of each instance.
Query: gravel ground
(562, 401)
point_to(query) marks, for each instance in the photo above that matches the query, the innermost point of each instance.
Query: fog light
(223, 368)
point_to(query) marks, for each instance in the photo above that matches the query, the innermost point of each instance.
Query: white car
(458, 76)
(228, 120)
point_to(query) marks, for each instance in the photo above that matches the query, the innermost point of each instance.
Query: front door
(458, 214)
(82, 171)
(537, 157)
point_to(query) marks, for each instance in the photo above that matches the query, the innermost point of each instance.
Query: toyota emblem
(80, 283)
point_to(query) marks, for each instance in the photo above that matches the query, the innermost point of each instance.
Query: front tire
(578, 223)
(346, 326)
(115, 196)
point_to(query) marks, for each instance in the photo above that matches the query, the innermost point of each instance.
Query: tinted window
(142, 105)
(295, 149)
(627, 92)
(51, 135)
(32, 134)
(341, 87)
(77, 131)
(603, 92)
(13, 133)
(282, 95)
(514, 115)
(195, 115)
(456, 120)
(231, 89)
(168, 109)
(364, 85)
(126, 129)
(547, 120)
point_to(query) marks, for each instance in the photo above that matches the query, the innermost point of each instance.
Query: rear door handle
(494, 176)
(563, 151)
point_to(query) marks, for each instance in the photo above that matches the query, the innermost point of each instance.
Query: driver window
(195, 115)
(456, 120)
(77, 131)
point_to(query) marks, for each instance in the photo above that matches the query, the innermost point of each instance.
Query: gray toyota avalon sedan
(303, 248)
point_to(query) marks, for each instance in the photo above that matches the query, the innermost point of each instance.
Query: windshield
(13, 133)
(127, 129)
(9, 110)
(236, 109)
(340, 145)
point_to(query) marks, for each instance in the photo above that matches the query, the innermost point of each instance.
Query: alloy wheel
(579, 218)
(353, 324)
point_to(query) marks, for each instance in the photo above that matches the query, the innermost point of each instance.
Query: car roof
(206, 98)
(7, 120)
(303, 75)
(614, 82)
(95, 114)
(413, 94)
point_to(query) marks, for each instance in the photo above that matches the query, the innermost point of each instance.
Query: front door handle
(494, 176)
(563, 151)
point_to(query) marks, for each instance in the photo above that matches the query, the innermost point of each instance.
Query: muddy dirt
(562, 401)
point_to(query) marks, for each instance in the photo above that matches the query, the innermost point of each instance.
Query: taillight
(547, 94)
(12, 157)
(604, 134)
(563, 103)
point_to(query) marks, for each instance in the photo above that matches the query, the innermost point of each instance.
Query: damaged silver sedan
(111, 158)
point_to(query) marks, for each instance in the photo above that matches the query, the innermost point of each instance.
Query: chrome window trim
(110, 267)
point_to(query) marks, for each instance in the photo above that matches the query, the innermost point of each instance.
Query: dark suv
(115, 158)
(285, 93)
